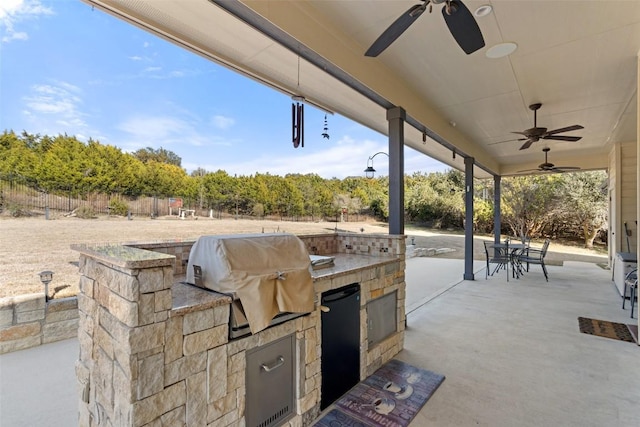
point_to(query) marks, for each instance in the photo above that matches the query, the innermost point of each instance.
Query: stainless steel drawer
(270, 383)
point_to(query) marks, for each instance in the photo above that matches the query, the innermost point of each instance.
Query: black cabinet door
(340, 342)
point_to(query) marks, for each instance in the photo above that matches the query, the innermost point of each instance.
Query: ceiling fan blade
(567, 129)
(563, 138)
(463, 26)
(566, 168)
(507, 140)
(396, 29)
(527, 144)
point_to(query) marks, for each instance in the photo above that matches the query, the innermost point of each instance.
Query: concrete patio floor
(511, 352)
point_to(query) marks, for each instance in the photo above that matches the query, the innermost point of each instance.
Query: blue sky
(66, 68)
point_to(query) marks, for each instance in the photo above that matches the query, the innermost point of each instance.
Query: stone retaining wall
(28, 321)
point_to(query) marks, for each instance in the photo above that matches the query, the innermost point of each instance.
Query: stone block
(311, 344)
(229, 419)
(86, 286)
(198, 321)
(173, 339)
(222, 406)
(161, 316)
(184, 367)
(151, 280)
(62, 304)
(176, 417)
(58, 316)
(124, 396)
(20, 331)
(29, 302)
(6, 317)
(58, 331)
(146, 309)
(308, 402)
(103, 379)
(124, 310)
(237, 363)
(217, 384)
(118, 281)
(163, 300)
(87, 305)
(170, 398)
(197, 399)
(29, 316)
(204, 340)
(150, 375)
(20, 344)
(127, 362)
(118, 330)
(221, 315)
(146, 337)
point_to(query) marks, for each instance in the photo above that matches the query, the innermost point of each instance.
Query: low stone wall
(28, 321)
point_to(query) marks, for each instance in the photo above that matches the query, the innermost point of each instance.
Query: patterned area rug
(391, 397)
(604, 328)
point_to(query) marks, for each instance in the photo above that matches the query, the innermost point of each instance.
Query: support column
(468, 223)
(497, 226)
(396, 117)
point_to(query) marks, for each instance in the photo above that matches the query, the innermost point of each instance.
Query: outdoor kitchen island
(155, 351)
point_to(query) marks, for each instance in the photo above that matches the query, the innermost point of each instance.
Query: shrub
(85, 212)
(16, 211)
(118, 207)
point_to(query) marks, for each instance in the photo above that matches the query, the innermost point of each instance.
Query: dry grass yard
(31, 245)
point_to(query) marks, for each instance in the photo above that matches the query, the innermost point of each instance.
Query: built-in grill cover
(268, 273)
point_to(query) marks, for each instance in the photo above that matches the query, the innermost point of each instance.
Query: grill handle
(279, 362)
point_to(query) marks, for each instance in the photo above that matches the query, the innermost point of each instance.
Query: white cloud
(347, 157)
(222, 122)
(58, 102)
(163, 131)
(13, 12)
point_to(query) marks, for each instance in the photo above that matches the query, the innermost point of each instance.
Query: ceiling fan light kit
(501, 50)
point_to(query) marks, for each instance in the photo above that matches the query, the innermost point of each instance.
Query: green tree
(584, 203)
(160, 155)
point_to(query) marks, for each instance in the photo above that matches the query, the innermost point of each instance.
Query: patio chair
(536, 256)
(631, 283)
(495, 256)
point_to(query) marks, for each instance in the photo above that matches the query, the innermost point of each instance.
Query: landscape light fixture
(370, 171)
(46, 277)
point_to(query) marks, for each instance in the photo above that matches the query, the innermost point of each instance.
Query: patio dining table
(511, 251)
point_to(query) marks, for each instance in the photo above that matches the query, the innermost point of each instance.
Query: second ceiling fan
(459, 19)
(536, 133)
(550, 167)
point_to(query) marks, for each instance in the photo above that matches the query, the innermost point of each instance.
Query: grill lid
(269, 273)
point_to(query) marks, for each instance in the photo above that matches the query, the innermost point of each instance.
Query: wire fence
(19, 197)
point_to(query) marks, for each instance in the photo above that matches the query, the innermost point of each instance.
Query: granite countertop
(125, 256)
(348, 263)
(188, 298)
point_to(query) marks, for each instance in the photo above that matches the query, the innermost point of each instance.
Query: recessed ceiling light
(501, 50)
(483, 10)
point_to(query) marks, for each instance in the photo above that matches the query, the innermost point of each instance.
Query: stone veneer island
(156, 352)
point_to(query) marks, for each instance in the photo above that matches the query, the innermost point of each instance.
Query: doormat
(390, 397)
(604, 328)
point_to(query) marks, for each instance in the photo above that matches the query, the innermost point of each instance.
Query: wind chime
(297, 124)
(297, 116)
(325, 134)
